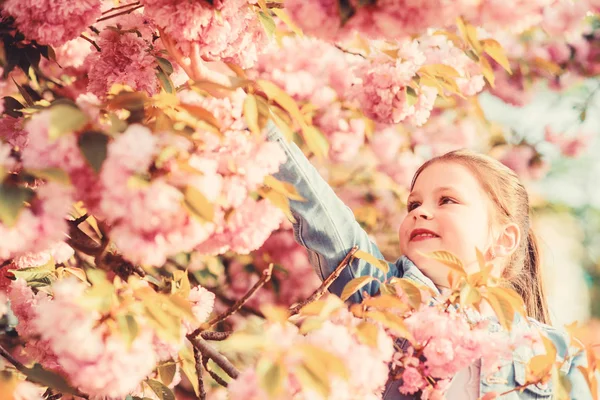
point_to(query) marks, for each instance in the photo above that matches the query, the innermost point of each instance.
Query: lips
(422, 234)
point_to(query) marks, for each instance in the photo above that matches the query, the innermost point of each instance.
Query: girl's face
(447, 210)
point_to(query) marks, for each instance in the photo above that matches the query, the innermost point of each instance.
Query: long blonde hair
(509, 196)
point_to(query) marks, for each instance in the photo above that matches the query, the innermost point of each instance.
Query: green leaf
(65, 119)
(188, 366)
(165, 65)
(45, 378)
(267, 22)
(51, 174)
(31, 274)
(165, 82)
(12, 201)
(161, 391)
(381, 265)
(166, 372)
(411, 96)
(128, 327)
(272, 376)
(198, 204)
(355, 285)
(94, 147)
(12, 107)
(26, 96)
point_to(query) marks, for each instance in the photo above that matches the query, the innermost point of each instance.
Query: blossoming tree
(140, 221)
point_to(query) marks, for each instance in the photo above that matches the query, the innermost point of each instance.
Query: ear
(508, 240)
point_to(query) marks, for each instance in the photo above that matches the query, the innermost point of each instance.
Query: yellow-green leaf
(271, 376)
(188, 366)
(411, 96)
(284, 188)
(315, 140)
(381, 265)
(278, 200)
(367, 333)
(65, 119)
(275, 93)
(267, 23)
(355, 285)
(469, 295)
(51, 174)
(385, 302)
(198, 204)
(487, 71)
(201, 113)
(323, 307)
(411, 290)
(128, 327)
(251, 114)
(502, 307)
(310, 380)
(495, 50)
(12, 201)
(391, 321)
(94, 147)
(282, 15)
(448, 259)
(167, 371)
(161, 391)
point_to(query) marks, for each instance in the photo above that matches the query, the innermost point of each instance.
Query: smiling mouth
(422, 234)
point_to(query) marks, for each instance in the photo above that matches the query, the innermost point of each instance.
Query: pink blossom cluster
(345, 132)
(40, 225)
(227, 31)
(367, 365)
(387, 19)
(127, 57)
(294, 67)
(394, 157)
(52, 22)
(102, 364)
(295, 284)
(569, 146)
(43, 152)
(382, 85)
(150, 217)
(442, 134)
(12, 132)
(525, 161)
(148, 220)
(448, 343)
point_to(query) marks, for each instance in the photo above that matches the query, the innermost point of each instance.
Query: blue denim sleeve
(324, 224)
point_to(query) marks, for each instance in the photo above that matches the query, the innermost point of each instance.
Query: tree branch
(216, 336)
(198, 360)
(266, 277)
(120, 13)
(210, 352)
(326, 283)
(214, 375)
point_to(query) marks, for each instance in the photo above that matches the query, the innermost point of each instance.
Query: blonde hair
(509, 196)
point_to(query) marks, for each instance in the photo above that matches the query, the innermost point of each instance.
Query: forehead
(453, 175)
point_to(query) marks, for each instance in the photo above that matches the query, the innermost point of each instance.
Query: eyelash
(414, 204)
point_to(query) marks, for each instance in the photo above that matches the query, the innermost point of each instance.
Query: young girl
(458, 202)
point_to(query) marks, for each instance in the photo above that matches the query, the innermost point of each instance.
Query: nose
(423, 213)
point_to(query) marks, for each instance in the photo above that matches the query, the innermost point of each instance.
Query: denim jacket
(327, 228)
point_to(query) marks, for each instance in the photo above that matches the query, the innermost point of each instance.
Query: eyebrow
(440, 189)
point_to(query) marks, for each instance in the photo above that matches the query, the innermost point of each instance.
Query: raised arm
(324, 224)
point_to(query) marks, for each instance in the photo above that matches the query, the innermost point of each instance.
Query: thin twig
(198, 360)
(210, 352)
(349, 52)
(120, 13)
(120, 7)
(266, 277)
(214, 375)
(98, 49)
(216, 336)
(4, 353)
(326, 283)
(78, 221)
